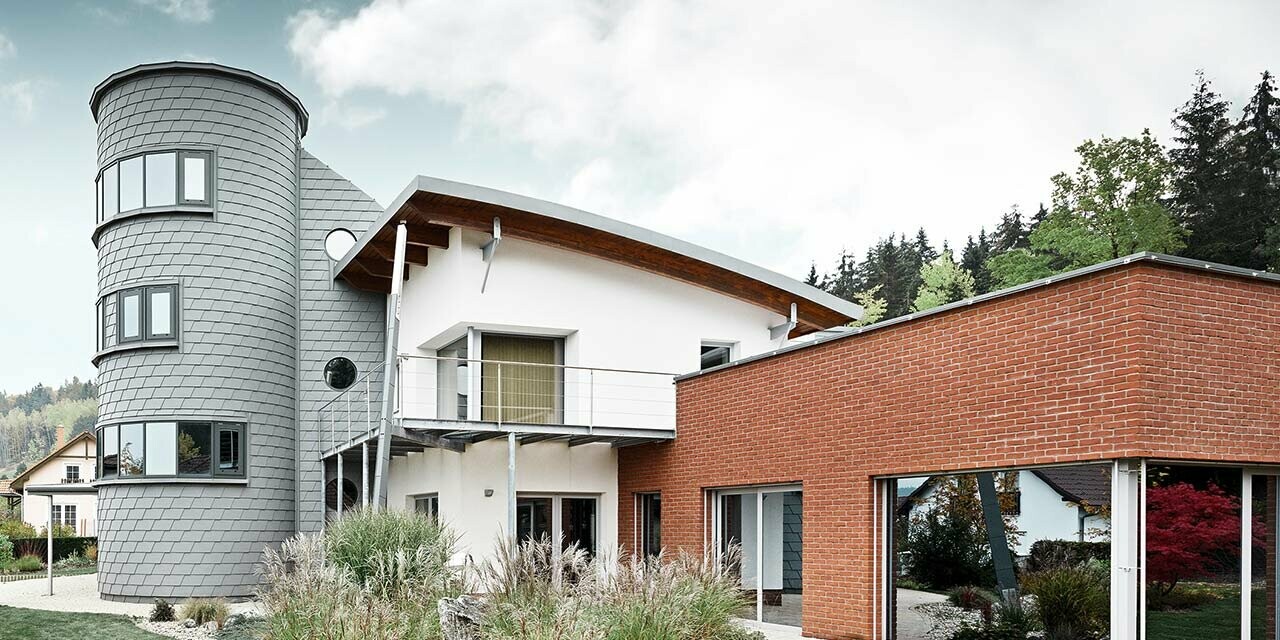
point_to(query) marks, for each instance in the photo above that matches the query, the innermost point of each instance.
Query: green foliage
(942, 281)
(1186, 596)
(6, 551)
(971, 598)
(28, 421)
(873, 307)
(974, 260)
(1015, 267)
(360, 540)
(1056, 554)
(161, 611)
(1072, 602)
(74, 561)
(944, 552)
(371, 575)
(541, 590)
(204, 610)
(28, 563)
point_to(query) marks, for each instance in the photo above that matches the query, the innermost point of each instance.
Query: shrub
(6, 551)
(73, 561)
(62, 547)
(358, 540)
(368, 576)
(539, 589)
(971, 598)
(204, 610)
(28, 563)
(162, 611)
(14, 528)
(1073, 602)
(91, 552)
(1056, 554)
(947, 552)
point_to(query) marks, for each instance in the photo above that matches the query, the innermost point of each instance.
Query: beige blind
(530, 392)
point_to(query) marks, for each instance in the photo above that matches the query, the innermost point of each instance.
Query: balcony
(452, 402)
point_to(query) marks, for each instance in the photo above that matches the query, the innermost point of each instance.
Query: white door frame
(717, 517)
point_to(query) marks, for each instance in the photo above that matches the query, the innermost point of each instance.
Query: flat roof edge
(207, 68)
(1158, 258)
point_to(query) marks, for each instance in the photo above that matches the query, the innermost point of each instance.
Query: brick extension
(1139, 360)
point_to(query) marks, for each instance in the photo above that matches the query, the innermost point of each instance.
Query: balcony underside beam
(475, 431)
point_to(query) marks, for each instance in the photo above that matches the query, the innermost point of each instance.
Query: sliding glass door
(1210, 558)
(759, 535)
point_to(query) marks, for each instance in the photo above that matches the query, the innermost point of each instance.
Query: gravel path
(80, 594)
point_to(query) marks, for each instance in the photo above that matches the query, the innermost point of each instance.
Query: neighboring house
(70, 463)
(1051, 503)
(12, 499)
(242, 341)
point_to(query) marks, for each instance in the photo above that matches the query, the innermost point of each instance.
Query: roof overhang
(61, 489)
(431, 206)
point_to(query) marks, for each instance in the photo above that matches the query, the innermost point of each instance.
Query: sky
(780, 133)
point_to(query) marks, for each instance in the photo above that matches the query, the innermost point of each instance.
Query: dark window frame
(180, 199)
(215, 428)
(145, 330)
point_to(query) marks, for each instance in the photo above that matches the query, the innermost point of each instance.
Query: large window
(172, 449)
(146, 313)
(521, 381)
(572, 519)
(154, 180)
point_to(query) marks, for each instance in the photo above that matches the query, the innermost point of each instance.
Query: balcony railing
(505, 392)
(446, 394)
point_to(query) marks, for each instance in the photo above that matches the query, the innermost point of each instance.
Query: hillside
(28, 421)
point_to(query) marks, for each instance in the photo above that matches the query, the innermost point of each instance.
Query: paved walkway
(76, 593)
(912, 625)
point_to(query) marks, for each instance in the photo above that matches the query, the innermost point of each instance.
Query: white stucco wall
(461, 479)
(35, 509)
(609, 315)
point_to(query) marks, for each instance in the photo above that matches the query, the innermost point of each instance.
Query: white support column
(759, 556)
(383, 466)
(364, 474)
(341, 494)
(1246, 555)
(1126, 488)
(49, 529)
(511, 487)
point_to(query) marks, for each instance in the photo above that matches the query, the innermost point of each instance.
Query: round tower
(197, 237)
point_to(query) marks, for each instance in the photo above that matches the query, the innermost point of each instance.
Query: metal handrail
(405, 356)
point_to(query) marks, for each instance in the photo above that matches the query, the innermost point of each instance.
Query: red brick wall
(1140, 360)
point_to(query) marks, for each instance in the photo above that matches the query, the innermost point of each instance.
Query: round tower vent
(338, 243)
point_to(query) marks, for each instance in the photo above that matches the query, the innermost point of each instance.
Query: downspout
(389, 371)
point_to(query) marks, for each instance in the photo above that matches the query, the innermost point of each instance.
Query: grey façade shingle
(259, 316)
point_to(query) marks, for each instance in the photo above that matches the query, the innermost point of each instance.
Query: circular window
(338, 243)
(340, 373)
(350, 494)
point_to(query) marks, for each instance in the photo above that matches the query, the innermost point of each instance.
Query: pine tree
(1202, 200)
(887, 266)
(974, 261)
(812, 279)
(1253, 177)
(1010, 234)
(1036, 220)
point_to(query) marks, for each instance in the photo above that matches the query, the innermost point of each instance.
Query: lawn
(31, 624)
(1219, 619)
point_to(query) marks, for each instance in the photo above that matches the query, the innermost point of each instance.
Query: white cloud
(349, 116)
(782, 132)
(20, 97)
(7, 48)
(182, 10)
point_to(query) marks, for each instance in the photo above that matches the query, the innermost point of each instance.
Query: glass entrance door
(759, 536)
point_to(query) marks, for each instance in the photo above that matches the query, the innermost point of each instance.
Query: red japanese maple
(1192, 533)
